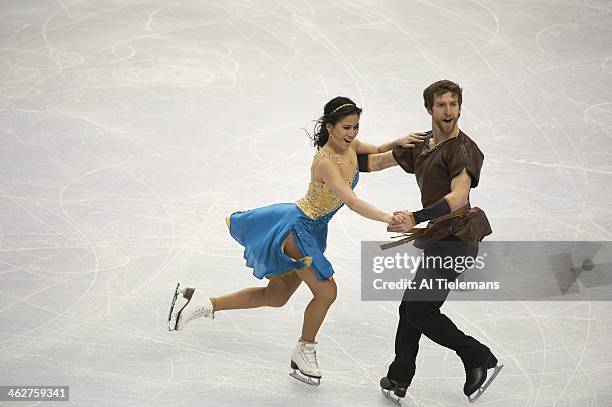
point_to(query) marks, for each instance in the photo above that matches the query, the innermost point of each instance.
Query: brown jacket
(434, 171)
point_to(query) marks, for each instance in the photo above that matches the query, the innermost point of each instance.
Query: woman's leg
(276, 294)
(324, 292)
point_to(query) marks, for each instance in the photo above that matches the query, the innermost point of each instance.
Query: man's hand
(411, 140)
(401, 222)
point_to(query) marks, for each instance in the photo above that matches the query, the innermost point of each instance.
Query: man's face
(445, 112)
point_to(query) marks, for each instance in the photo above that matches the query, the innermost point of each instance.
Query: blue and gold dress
(262, 231)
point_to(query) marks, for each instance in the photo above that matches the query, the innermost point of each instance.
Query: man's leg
(423, 317)
(426, 318)
(407, 337)
(420, 314)
(422, 307)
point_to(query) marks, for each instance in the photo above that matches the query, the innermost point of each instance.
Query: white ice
(129, 129)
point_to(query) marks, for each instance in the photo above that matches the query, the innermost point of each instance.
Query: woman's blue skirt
(262, 232)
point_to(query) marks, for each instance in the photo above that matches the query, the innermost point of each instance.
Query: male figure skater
(446, 166)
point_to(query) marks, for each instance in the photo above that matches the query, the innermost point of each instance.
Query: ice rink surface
(129, 129)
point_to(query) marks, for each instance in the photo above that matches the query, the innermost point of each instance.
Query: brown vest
(434, 170)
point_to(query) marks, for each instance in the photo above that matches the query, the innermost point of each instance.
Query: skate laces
(205, 310)
(201, 312)
(309, 354)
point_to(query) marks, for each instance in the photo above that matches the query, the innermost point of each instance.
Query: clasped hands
(401, 222)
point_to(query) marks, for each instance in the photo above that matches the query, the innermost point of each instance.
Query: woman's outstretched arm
(332, 177)
(379, 162)
(372, 158)
(407, 141)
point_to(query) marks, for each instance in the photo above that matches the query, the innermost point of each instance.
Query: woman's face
(344, 132)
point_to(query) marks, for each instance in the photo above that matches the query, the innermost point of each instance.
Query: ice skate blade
(482, 389)
(173, 316)
(313, 381)
(392, 397)
(171, 324)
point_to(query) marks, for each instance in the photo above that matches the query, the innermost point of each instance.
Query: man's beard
(448, 127)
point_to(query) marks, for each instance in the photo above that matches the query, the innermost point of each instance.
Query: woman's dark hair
(334, 111)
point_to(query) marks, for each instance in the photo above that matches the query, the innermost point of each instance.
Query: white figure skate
(305, 365)
(196, 306)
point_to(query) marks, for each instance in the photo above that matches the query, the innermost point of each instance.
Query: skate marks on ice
(114, 183)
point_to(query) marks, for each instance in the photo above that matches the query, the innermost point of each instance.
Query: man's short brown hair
(439, 88)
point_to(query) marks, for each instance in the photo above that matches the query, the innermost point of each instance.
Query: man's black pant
(420, 313)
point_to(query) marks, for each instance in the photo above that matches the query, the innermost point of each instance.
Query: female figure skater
(285, 242)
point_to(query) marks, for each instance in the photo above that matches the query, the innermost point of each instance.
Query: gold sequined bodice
(320, 200)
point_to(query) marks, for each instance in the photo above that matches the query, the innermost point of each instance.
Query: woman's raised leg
(275, 294)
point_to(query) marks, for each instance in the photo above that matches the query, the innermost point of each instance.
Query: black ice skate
(393, 390)
(305, 365)
(476, 378)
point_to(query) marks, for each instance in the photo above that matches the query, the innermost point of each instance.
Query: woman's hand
(411, 140)
(401, 222)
